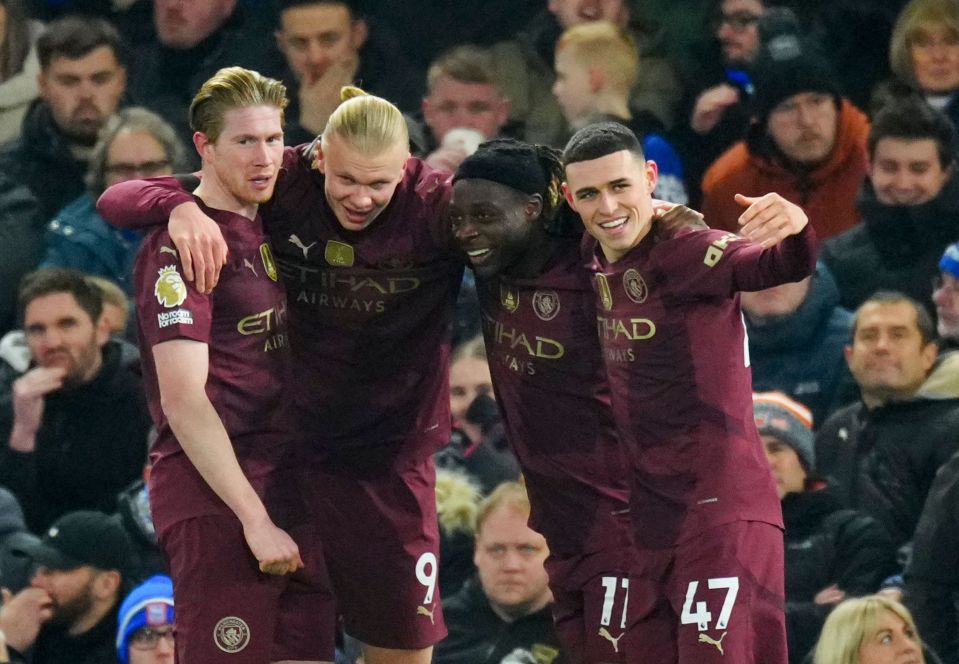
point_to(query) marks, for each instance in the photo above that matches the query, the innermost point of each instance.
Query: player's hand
(29, 391)
(23, 614)
(672, 218)
(200, 245)
(710, 107)
(274, 549)
(830, 595)
(320, 93)
(769, 219)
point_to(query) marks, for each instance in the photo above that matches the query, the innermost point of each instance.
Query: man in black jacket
(74, 426)
(885, 450)
(831, 552)
(502, 615)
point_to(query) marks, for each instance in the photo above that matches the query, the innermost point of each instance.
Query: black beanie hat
(788, 66)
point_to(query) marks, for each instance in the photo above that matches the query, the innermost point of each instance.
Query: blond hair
(474, 348)
(914, 18)
(605, 46)
(466, 64)
(230, 88)
(367, 123)
(851, 624)
(511, 495)
(111, 293)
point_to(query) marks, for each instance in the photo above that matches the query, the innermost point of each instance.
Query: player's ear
(568, 195)
(533, 207)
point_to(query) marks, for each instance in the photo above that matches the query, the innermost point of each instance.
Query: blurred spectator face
(888, 357)
(152, 645)
(72, 592)
(785, 466)
(573, 87)
(804, 127)
(469, 378)
(509, 557)
(573, 12)
(935, 58)
(776, 301)
(314, 37)
(736, 28)
(182, 24)
(907, 171)
(247, 154)
(83, 93)
(451, 104)
(61, 334)
(945, 295)
(893, 642)
(135, 154)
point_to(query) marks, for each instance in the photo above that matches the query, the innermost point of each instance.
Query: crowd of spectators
(848, 108)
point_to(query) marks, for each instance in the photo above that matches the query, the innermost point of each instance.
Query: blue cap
(149, 604)
(949, 262)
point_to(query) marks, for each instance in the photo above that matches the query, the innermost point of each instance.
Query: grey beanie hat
(779, 416)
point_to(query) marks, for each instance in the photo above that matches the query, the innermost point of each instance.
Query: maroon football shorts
(590, 606)
(380, 539)
(713, 599)
(229, 612)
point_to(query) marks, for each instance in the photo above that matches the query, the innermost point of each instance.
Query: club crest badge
(509, 297)
(268, 263)
(546, 304)
(169, 288)
(635, 286)
(605, 295)
(231, 634)
(156, 613)
(339, 254)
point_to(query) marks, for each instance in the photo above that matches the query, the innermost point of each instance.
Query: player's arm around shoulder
(182, 368)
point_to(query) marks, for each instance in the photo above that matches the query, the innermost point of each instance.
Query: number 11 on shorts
(610, 584)
(701, 616)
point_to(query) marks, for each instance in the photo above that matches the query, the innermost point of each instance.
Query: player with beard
(706, 517)
(362, 244)
(523, 243)
(225, 465)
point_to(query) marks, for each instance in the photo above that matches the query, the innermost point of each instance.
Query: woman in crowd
(870, 630)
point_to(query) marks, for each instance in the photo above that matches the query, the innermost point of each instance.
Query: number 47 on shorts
(702, 616)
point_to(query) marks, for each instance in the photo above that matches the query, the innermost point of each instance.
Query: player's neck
(542, 249)
(212, 192)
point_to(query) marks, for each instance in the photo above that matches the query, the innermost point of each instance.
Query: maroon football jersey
(675, 347)
(551, 388)
(370, 311)
(244, 324)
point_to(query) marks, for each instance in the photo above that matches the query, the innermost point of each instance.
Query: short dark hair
(74, 37)
(924, 321)
(911, 118)
(51, 280)
(357, 8)
(600, 139)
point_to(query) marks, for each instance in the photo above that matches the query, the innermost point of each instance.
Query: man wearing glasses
(716, 110)
(145, 623)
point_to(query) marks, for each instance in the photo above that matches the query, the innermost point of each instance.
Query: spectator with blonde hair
(869, 630)
(924, 52)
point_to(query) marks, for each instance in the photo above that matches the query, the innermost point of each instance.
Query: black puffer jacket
(827, 544)
(885, 459)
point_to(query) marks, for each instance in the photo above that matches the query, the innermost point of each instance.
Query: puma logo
(423, 611)
(706, 638)
(248, 263)
(167, 250)
(603, 632)
(297, 242)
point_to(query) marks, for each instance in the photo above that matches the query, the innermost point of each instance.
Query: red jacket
(827, 194)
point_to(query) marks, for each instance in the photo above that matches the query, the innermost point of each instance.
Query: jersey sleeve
(719, 264)
(142, 203)
(168, 307)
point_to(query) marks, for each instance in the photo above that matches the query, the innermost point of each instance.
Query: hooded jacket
(895, 247)
(827, 193)
(885, 459)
